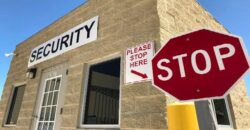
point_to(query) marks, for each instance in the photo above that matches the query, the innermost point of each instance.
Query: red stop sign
(199, 65)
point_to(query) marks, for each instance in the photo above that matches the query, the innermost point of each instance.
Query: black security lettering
(71, 38)
(45, 52)
(39, 52)
(55, 47)
(33, 56)
(64, 41)
(78, 34)
(88, 29)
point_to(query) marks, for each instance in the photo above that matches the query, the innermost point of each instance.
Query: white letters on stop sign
(207, 60)
(218, 55)
(181, 65)
(170, 72)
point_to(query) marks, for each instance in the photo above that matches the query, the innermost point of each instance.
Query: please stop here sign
(138, 62)
(203, 64)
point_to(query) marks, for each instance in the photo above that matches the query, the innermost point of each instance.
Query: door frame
(46, 74)
(58, 100)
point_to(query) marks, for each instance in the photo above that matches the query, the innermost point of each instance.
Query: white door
(49, 107)
(50, 99)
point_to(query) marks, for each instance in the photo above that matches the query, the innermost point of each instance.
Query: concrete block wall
(122, 24)
(241, 106)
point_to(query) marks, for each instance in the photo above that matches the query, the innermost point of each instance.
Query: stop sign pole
(200, 65)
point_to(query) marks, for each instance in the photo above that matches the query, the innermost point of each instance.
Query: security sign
(203, 64)
(138, 62)
(77, 36)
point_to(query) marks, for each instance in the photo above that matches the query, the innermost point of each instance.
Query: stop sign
(199, 65)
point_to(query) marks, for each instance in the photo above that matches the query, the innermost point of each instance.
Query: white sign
(81, 34)
(138, 63)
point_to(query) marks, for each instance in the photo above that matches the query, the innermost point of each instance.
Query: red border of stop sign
(176, 70)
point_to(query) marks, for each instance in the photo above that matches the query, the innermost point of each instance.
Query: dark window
(102, 102)
(221, 112)
(15, 105)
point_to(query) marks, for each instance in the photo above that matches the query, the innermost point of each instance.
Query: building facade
(70, 75)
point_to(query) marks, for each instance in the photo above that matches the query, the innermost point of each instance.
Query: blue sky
(234, 15)
(21, 19)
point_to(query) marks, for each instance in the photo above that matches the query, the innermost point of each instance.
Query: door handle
(61, 111)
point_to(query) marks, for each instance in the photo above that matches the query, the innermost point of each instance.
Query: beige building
(70, 75)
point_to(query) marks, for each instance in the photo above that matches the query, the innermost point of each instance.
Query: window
(102, 98)
(222, 112)
(15, 105)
